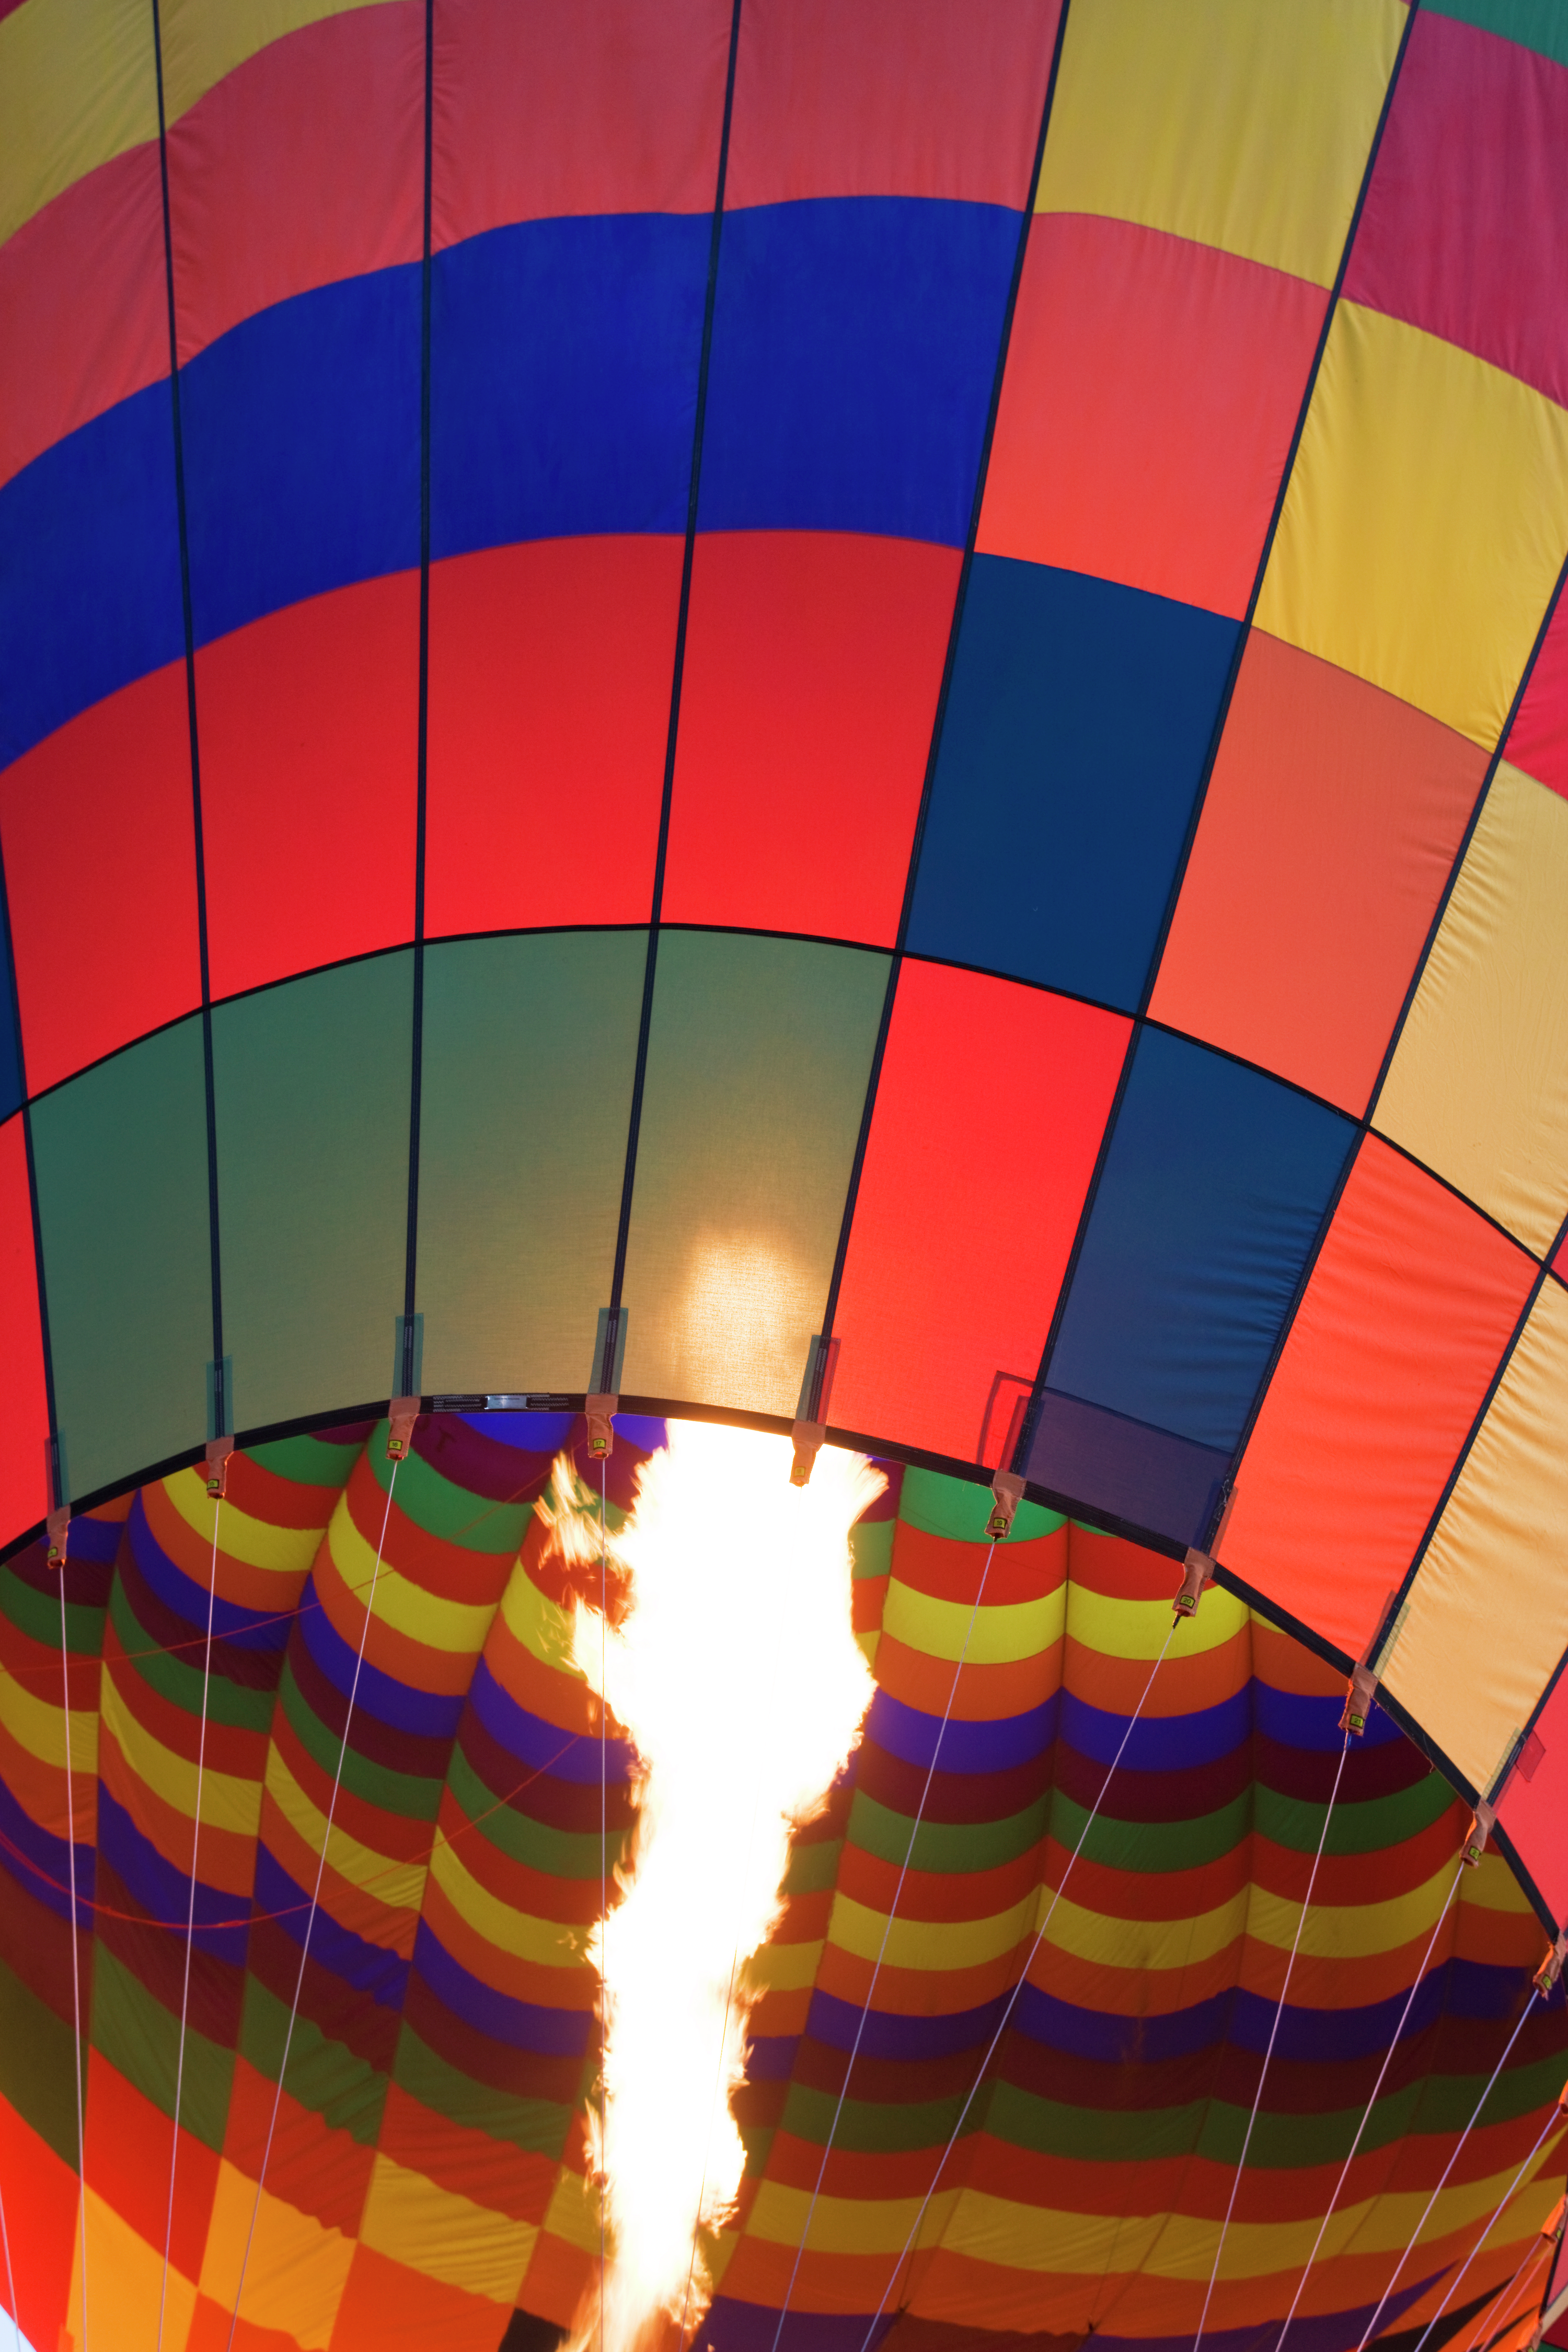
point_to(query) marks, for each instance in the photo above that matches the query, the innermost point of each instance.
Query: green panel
(308, 1460)
(960, 1506)
(946, 1846)
(871, 1548)
(538, 2126)
(37, 2065)
(137, 2034)
(313, 1134)
(121, 1155)
(324, 2075)
(529, 1046)
(758, 1060)
(1534, 24)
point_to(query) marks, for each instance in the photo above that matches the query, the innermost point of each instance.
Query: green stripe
(324, 2075)
(37, 2069)
(1153, 1845)
(417, 1798)
(310, 1462)
(169, 1674)
(442, 1509)
(537, 2126)
(38, 1614)
(139, 2035)
(1370, 1827)
(948, 1847)
(871, 1548)
(559, 1853)
(959, 1508)
(813, 1869)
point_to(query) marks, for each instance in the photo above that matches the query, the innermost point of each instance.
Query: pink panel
(1534, 1811)
(818, 113)
(1465, 222)
(304, 165)
(86, 306)
(25, 1424)
(551, 107)
(1538, 740)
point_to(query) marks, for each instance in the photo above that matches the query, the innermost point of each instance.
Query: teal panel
(312, 1082)
(759, 1057)
(122, 1157)
(529, 1046)
(1534, 24)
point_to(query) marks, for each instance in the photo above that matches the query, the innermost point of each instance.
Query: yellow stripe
(927, 1943)
(35, 1725)
(1349, 1931)
(1013, 1630)
(573, 2213)
(444, 2235)
(541, 1625)
(400, 1886)
(1137, 1628)
(844, 2225)
(227, 1802)
(282, 1551)
(459, 1627)
(784, 1968)
(78, 86)
(545, 1942)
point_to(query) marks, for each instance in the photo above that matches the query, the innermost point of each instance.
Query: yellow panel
(204, 39)
(445, 2235)
(1488, 1615)
(1239, 123)
(227, 1802)
(78, 85)
(1141, 1629)
(295, 2275)
(281, 1551)
(1479, 1088)
(547, 1943)
(1425, 522)
(125, 2276)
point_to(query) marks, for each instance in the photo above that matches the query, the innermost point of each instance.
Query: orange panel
(401, 2310)
(812, 665)
(129, 2143)
(990, 1108)
(24, 1425)
(1331, 820)
(100, 873)
(309, 736)
(549, 675)
(1153, 387)
(1404, 1323)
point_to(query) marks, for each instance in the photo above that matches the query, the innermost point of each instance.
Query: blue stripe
(520, 2024)
(1169, 1743)
(50, 1858)
(909, 1734)
(250, 1629)
(365, 1967)
(430, 1714)
(165, 1892)
(538, 1744)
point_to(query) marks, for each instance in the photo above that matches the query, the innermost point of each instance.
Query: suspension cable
(887, 1931)
(1366, 2117)
(1268, 2053)
(75, 1956)
(190, 1922)
(1013, 1997)
(1431, 2201)
(315, 1904)
(1553, 2123)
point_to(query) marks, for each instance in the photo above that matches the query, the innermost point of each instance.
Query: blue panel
(564, 365)
(1214, 1187)
(1077, 727)
(90, 569)
(855, 344)
(1104, 1461)
(302, 449)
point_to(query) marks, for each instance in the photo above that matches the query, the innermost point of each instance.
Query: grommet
(1006, 1493)
(218, 1451)
(58, 1527)
(401, 1414)
(1360, 1696)
(808, 1436)
(601, 1428)
(1197, 1572)
(1546, 1976)
(1475, 1844)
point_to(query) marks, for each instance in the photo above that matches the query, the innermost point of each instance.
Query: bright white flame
(735, 1672)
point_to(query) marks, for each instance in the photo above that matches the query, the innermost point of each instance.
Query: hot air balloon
(850, 718)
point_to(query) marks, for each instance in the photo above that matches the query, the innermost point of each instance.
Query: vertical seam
(644, 1022)
(406, 1353)
(1031, 1416)
(896, 962)
(220, 1396)
(54, 1479)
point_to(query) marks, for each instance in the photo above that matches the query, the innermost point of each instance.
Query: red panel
(24, 1425)
(550, 107)
(309, 726)
(1153, 386)
(101, 877)
(41, 2224)
(1404, 1323)
(1538, 740)
(813, 663)
(129, 2144)
(1466, 218)
(818, 113)
(550, 673)
(1332, 821)
(305, 164)
(990, 1109)
(86, 307)
(1532, 1812)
